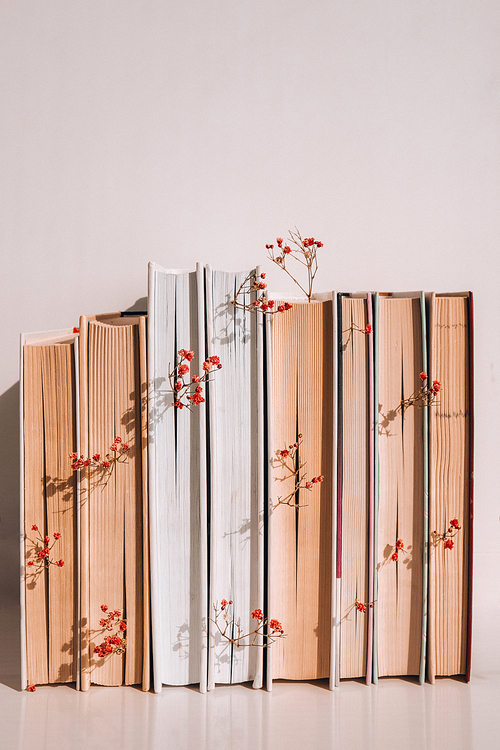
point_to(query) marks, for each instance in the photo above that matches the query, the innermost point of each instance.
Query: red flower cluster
(361, 606)
(276, 626)
(301, 250)
(368, 329)
(115, 643)
(31, 688)
(286, 459)
(182, 389)
(447, 537)
(256, 637)
(41, 551)
(95, 461)
(255, 285)
(398, 548)
(425, 396)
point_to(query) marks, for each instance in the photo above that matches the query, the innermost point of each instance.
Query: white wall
(136, 130)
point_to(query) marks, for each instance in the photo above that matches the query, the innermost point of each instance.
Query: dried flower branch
(362, 606)
(301, 250)
(425, 396)
(448, 535)
(261, 304)
(115, 643)
(258, 636)
(399, 547)
(182, 389)
(289, 461)
(40, 551)
(118, 448)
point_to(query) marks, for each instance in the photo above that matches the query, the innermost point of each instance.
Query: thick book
(450, 490)
(49, 509)
(114, 554)
(302, 582)
(236, 479)
(177, 481)
(355, 484)
(399, 590)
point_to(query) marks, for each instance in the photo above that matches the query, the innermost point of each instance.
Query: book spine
(376, 475)
(84, 511)
(425, 520)
(202, 436)
(142, 441)
(268, 516)
(468, 656)
(337, 578)
(22, 560)
(371, 481)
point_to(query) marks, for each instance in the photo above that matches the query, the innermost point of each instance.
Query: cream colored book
(114, 566)
(450, 495)
(355, 485)
(400, 516)
(301, 562)
(49, 509)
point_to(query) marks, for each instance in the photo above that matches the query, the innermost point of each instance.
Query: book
(450, 491)
(114, 561)
(177, 481)
(236, 478)
(49, 509)
(302, 587)
(356, 485)
(399, 637)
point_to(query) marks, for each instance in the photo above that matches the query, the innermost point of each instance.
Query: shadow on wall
(10, 643)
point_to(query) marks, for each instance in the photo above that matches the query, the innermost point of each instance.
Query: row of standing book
(358, 567)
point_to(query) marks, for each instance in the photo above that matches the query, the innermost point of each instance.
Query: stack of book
(306, 514)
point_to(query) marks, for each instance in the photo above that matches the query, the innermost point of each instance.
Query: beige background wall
(136, 130)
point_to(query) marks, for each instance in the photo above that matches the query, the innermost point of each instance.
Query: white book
(177, 482)
(236, 469)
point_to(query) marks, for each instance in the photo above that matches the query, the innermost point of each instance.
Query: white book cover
(177, 482)
(236, 468)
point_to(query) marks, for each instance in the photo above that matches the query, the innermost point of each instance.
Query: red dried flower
(449, 543)
(263, 276)
(361, 607)
(73, 455)
(104, 607)
(309, 485)
(299, 435)
(394, 556)
(288, 306)
(183, 369)
(195, 379)
(276, 626)
(269, 247)
(46, 539)
(287, 250)
(284, 453)
(76, 330)
(30, 563)
(96, 456)
(60, 563)
(117, 439)
(454, 523)
(86, 462)
(436, 386)
(123, 625)
(279, 241)
(179, 404)
(257, 615)
(399, 544)
(281, 308)
(197, 399)
(125, 447)
(114, 448)
(57, 535)
(270, 303)
(34, 527)
(32, 688)
(105, 464)
(423, 376)
(102, 622)
(368, 328)
(223, 604)
(178, 385)
(206, 365)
